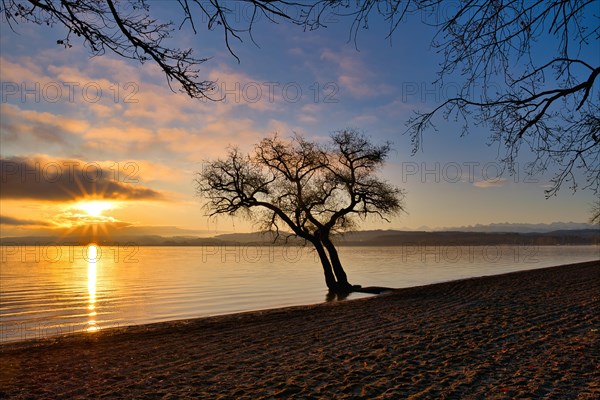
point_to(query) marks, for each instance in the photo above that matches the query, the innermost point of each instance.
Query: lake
(51, 290)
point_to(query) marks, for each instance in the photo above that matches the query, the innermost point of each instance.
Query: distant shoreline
(580, 237)
(529, 333)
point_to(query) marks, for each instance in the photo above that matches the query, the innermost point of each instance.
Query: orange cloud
(43, 125)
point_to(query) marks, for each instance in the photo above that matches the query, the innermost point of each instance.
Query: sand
(530, 334)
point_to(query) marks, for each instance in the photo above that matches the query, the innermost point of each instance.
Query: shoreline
(462, 337)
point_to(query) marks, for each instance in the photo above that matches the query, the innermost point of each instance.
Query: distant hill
(254, 237)
(448, 238)
(146, 240)
(507, 227)
(359, 238)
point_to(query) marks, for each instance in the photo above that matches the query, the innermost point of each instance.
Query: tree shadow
(343, 295)
(336, 296)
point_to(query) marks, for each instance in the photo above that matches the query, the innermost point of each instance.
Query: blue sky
(313, 82)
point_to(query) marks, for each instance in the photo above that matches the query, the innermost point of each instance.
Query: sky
(102, 141)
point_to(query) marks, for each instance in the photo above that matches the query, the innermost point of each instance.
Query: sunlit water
(47, 291)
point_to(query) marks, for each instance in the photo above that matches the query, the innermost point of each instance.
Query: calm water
(46, 291)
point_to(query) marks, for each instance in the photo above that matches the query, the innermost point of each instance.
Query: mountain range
(359, 238)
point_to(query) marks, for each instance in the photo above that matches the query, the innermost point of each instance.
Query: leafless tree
(311, 189)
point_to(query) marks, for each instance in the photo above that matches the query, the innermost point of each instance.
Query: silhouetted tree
(314, 190)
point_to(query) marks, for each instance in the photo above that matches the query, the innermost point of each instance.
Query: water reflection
(335, 296)
(131, 285)
(92, 269)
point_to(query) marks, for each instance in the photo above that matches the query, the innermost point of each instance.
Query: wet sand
(532, 334)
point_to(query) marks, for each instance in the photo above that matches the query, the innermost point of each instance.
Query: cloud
(309, 114)
(211, 138)
(47, 179)
(38, 126)
(148, 171)
(364, 119)
(118, 138)
(133, 114)
(402, 105)
(27, 131)
(106, 88)
(241, 89)
(6, 220)
(484, 184)
(354, 75)
(297, 52)
(25, 69)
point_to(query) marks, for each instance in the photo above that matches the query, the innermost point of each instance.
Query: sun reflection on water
(92, 266)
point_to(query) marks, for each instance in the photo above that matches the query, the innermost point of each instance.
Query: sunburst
(87, 212)
(94, 208)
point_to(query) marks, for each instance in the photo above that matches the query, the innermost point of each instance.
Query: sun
(88, 219)
(94, 208)
(87, 212)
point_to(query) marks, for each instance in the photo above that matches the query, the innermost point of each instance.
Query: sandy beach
(532, 334)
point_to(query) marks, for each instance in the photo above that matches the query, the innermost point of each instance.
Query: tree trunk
(327, 270)
(340, 274)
